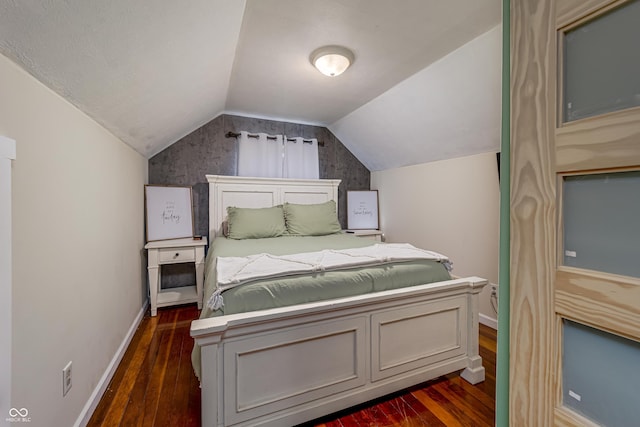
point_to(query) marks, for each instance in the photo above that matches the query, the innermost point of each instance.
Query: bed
(286, 364)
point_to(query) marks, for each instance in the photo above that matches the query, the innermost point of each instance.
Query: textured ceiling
(153, 71)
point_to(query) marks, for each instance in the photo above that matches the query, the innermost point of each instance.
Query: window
(276, 156)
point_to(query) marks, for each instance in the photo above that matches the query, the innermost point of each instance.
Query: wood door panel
(608, 141)
(599, 300)
(540, 150)
(569, 11)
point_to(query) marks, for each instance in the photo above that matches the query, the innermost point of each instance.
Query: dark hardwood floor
(154, 385)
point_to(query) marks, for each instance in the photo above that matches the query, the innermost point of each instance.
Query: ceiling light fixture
(331, 60)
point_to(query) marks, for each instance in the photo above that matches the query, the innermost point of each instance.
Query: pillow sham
(311, 220)
(249, 223)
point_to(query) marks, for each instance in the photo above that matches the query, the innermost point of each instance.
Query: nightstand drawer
(176, 255)
(367, 234)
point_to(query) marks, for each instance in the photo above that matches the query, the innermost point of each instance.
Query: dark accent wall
(206, 151)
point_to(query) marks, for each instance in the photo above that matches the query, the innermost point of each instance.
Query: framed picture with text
(169, 213)
(362, 210)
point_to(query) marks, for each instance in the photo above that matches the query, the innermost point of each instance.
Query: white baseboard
(489, 321)
(101, 387)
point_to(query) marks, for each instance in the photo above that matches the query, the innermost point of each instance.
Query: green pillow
(247, 223)
(312, 220)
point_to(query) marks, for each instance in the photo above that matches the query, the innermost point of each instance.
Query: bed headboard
(245, 192)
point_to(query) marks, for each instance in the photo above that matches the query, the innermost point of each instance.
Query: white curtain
(301, 159)
(260, 157)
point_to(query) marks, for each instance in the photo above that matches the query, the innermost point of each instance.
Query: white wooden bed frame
(289, 365)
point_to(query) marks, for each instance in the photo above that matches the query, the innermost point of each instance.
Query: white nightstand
(367, 234)
(174, 252)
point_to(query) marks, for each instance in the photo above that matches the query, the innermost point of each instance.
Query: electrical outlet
(494, 290)
(66, 379)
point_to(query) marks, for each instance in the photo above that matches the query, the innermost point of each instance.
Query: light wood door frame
(542, 292)
(533, 212)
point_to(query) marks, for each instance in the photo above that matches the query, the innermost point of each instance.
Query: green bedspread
(298, 289)
(291, 290)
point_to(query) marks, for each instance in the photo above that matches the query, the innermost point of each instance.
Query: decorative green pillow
(247, 223)
(312, 220)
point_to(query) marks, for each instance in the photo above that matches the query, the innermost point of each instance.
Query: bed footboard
(290, 365)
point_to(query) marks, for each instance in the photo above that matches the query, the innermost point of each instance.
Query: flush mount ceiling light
(331, 60)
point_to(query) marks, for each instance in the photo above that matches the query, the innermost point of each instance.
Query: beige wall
(450, 206)
(78, 234)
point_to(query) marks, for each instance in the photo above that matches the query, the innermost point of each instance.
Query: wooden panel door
(543, 149)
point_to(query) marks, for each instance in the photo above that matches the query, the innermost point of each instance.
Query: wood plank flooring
(154, 385)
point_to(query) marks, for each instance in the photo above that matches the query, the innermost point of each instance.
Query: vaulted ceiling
(424, 86)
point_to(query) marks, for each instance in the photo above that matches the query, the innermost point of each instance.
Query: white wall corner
(7, 153)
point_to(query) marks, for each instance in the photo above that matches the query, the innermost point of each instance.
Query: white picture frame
(362, 210)
(169, 212)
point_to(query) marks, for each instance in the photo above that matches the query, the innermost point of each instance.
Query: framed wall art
(362, 210)
(169, 213)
